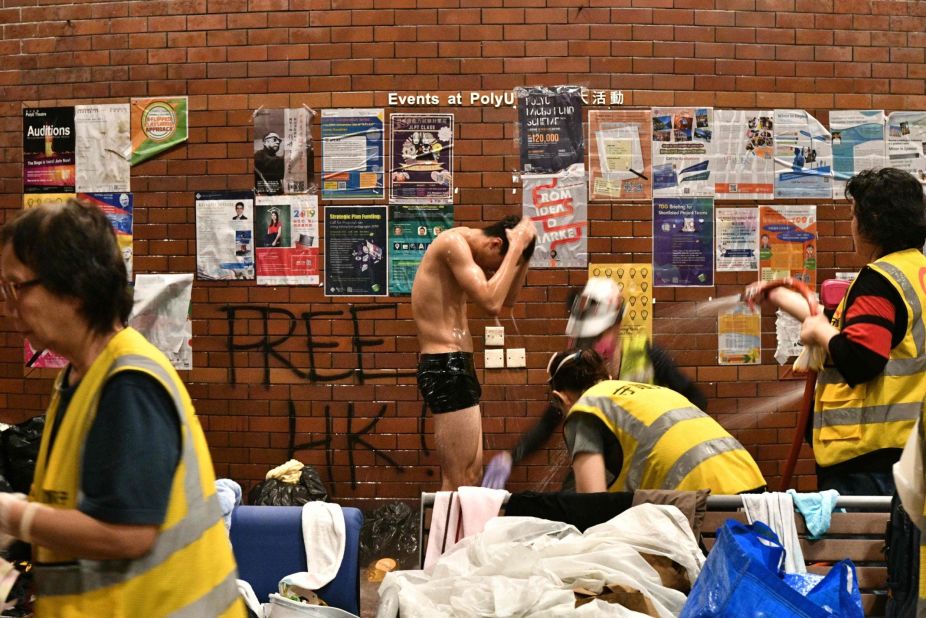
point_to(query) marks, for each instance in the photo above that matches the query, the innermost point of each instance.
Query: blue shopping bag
(744, 576)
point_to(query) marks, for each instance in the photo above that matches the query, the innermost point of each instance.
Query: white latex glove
(8, 502)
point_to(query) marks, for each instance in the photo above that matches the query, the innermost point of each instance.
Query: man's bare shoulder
(448, 243)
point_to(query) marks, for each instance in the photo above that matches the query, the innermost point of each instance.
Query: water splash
(560, 460)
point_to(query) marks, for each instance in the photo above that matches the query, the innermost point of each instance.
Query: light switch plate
(516, 357)
(495, 359)
(495, 335)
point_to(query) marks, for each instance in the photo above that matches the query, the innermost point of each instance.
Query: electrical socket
(495, 359)
(516, 357)
(495, 335)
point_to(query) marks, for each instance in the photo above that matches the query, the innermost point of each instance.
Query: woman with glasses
(122, 517)
(625, 436)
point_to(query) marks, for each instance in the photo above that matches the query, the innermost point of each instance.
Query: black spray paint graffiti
(267, 344)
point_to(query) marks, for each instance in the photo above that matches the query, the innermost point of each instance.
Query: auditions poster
(551, 134)
(48, 150)
(352, 154)
(356, 259)
(558, 206)
(788, 243)
(412, 229)
(225, 235)
(683, 242)
(803, 156)
(286, 239)
(102, 138)
(620, 162)
(636, 284)
(422, 159)
(744, 155)
(683, 139)
(158, 124)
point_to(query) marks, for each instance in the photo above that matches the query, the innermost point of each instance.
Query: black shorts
(448, 381)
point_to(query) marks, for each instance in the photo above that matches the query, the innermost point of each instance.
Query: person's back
(666, 442)
(438, 301)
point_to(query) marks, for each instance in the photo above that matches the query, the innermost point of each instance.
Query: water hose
(809, 385)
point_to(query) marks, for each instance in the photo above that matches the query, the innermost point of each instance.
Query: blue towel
(229, 493)
(816, 509)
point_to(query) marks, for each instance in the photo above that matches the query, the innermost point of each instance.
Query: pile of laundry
(641, 562)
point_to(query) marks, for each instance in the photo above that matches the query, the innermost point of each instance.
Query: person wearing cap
(268, 164)
(487, 266)
(625, 436)
(595, 322)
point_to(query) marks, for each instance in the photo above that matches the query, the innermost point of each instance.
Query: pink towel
(479, 505)
(460, 514)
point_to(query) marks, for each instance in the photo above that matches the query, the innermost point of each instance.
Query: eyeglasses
(10, 289)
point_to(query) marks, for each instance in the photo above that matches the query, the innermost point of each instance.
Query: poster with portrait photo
(412, 229)
(683, 242)
(550, 128)
(286, 235)
(225, 235)
(422, 159)
(48, 150)
(118, 208)
(356, 257)
(284, 157)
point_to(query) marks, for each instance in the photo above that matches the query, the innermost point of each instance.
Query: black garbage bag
(391, 531)
(19, 445)
(275, 492)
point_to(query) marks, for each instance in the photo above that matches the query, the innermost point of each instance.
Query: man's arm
(517, 284)
(488, 294)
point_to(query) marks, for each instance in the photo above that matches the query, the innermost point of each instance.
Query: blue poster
(412, 228)
(683, 242)
(352, 154)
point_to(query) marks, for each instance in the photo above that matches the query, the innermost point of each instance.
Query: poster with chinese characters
(286, 239)
(803, 156)
(225, 235)
(744, 155)
(737, 240)
(858, 144)
(422, 159)
(788, 243)
(739, 336)
(683, 151)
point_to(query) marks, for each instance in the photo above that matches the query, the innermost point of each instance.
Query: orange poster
(788, 243)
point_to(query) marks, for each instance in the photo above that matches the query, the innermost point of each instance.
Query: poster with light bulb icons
(636, 284)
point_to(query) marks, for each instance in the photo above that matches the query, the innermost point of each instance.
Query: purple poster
(683, 242)
(422, 159)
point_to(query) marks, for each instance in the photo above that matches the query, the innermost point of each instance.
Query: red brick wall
(232, 56)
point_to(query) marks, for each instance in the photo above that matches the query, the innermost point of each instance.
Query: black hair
(577, 370)
(497, 230)
(889, 208)
(237, 204)
(73, 251)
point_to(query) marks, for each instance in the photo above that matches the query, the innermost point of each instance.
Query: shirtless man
(487, 266)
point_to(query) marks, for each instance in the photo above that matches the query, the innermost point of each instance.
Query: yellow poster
(636, 283)
(739, 336)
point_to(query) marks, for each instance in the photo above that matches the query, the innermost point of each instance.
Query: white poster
(737, 239)
(558, 206)
(744, 156)
(161, 312)
(286, 229)
(906, 143)
(683, 152)
(803, 156)
(225, 235)
(102, 135)
(858, 144)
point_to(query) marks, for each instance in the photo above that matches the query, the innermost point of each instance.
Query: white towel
(446, 526)
(479, 505)
(776, 510)
(324, 537)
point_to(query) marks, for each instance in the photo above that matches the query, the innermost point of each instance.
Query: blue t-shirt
(131, 452)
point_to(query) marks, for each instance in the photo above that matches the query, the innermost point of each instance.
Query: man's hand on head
(522, 233)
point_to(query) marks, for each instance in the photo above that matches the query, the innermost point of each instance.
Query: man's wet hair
(497, 230)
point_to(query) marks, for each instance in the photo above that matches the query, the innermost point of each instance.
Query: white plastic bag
(908, 477)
